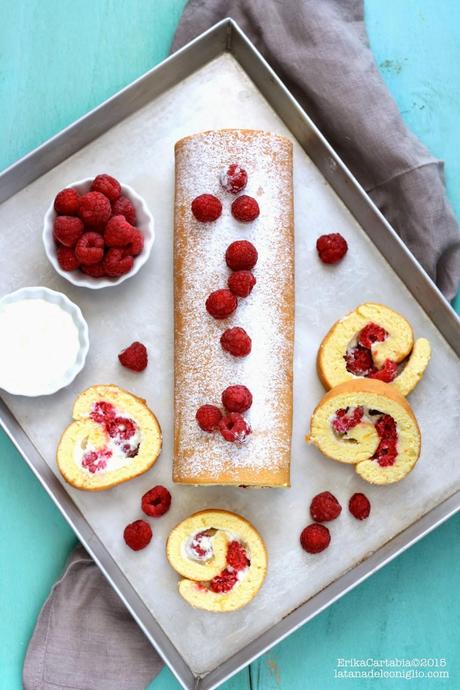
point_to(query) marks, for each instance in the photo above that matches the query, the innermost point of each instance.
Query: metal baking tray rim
(226, 36)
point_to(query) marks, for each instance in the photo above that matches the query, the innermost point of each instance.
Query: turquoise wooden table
(57, 61)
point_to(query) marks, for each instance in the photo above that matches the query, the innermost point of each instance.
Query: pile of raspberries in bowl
(98, 232)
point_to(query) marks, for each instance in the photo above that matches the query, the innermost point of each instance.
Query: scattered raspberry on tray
(124, 207)
(234, 428)
(241, 255)
(67, 259)
(245, 209)
(118, 232)
(134, 357)
(107, 185)
(94, 208)
(331, 248)
(241, 283)
(223, 582)
(315, 538)
(156, 502)
(236, 341)
(208, 417)
(370, 334)
(116, 263)
(234, 179)
(221, 303)
(206, 208)
(237, 398)
(325, 507)
(90, 248)
(359, 506)
(67, 230)
(236, 556)
(67, 202)
(137, 535)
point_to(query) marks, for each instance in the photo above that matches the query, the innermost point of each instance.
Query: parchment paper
(140, 152)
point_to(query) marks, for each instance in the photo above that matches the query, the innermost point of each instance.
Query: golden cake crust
(202, 369)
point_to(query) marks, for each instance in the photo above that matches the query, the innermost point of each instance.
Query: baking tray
(247, 93)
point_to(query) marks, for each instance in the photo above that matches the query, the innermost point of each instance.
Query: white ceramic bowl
(145, 224)
(77, 317)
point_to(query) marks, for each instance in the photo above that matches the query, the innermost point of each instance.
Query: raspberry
(67, 202)
(359, 506)
(206, 208)
(325, 507)
(245, 209)
(136, 245)
(90, 248)
(67, 259)
(241, 283)
(156, 502)
(359, 361)
(386, 427)
(234, 179)
(387, 373)
(345, 419)
(124, 207)
(94, 208)
(236, 341)
(236, 556)
(137, 535)
(102, 412)
(237, 398)
(241, 255)
(331, 248)
(120, 429)
(234, 428)
(96, 460)
(67, 230)
(118, 232)
(116, 263)
(221, 303)
(108, 186)
(315, 538)
(134, 357)
(372, 333)
(386, 452)
(223, 582)
(94, 270)
(208, 417)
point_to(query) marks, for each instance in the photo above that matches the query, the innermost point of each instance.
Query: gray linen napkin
(85, 639)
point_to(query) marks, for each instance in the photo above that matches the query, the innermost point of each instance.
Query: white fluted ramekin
(82, 327)
(145, 224)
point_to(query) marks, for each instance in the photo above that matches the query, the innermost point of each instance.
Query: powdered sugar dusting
(203, 369)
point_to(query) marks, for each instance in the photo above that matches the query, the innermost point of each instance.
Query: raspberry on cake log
(114, 437)
(221, 557)
(373, 341)
(370, 425)
(233, 260)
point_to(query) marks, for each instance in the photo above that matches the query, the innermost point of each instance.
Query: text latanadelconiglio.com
(368, 668)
